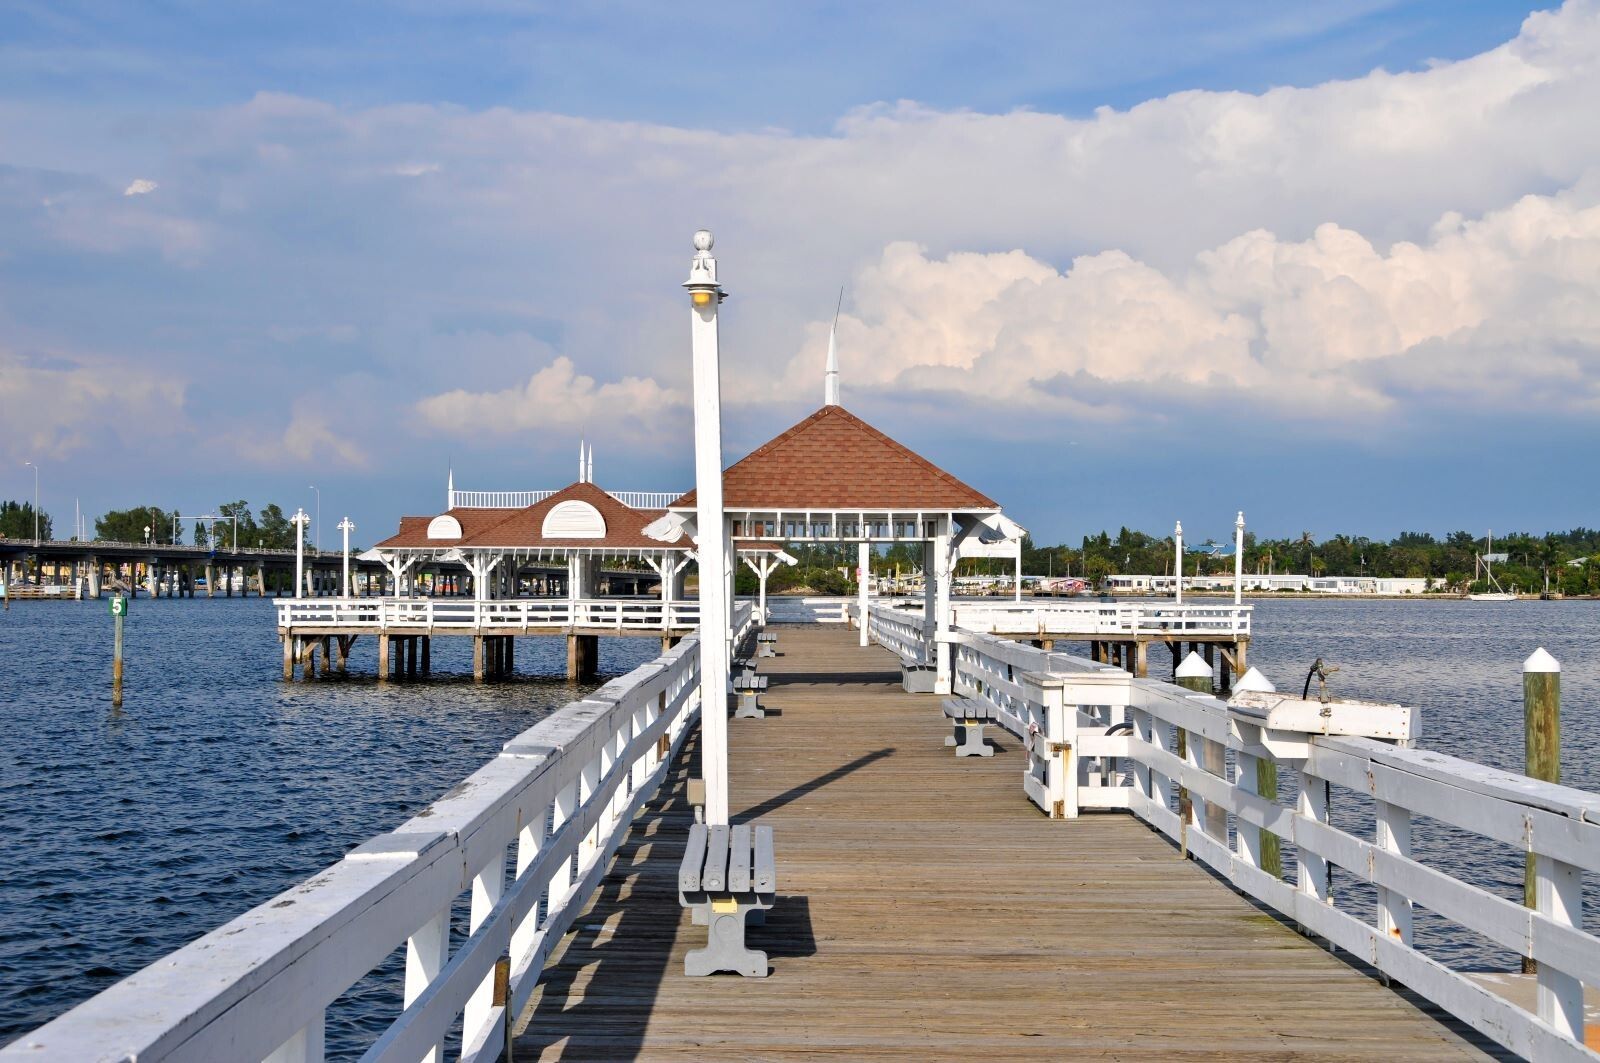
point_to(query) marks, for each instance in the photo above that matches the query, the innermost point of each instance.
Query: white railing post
(525, 937)
(1247, 839)
(306, 1046)
(1558, 891)
(1393, 833)
(1312, 804)
(1144, 730)
(427, 951)
(488, 885)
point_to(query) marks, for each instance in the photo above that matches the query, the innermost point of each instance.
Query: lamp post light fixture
(147, 535)
(299, 520)
(1238, 559)
(704, 296)
(347, 526)
(1177, 536)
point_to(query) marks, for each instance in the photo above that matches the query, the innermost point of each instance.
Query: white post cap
(1541, 661)
(1254, 680)
(1193, 666)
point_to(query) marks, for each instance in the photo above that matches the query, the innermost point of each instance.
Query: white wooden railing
(1112, 619)
(523, 499)
(424, 615)
(1063, 707)
(556, 804)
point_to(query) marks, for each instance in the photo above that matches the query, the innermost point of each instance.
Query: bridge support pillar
(478, 652)
(583, 657)
(94, 577)
(383, 656)
(288, 655)
(1141, 659)
(427, 655)
(1045, 644)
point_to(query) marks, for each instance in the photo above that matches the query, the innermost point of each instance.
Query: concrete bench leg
(725, 950)
(749, 708)
(972, 743)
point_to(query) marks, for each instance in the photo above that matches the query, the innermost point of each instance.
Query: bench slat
(715, 878)
(739, 860)
(766, 869)
(694, 856)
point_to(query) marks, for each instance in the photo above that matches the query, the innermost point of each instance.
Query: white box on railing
(1340, 716)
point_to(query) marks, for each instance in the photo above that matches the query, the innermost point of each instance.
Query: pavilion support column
(863, 579)
(478, 651)
(383, 656)
(941, 555)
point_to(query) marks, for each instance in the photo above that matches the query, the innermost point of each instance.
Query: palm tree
(1307, 541)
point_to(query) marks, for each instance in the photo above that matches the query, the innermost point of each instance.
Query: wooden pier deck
(927, 910)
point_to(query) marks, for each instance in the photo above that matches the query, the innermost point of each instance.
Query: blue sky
(1115, 264)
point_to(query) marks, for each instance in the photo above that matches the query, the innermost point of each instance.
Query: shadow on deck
(927, 910)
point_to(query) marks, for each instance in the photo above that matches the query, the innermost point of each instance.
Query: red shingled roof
(624, 524)
(414, 530)
(835, 460)
(521, 527)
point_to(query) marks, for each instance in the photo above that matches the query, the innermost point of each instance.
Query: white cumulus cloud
(140, 187)
(555, 396)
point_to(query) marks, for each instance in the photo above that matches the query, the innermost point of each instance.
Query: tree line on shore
(231, 523)
(1571, 559)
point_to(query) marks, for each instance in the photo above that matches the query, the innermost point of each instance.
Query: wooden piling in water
(1541, 721)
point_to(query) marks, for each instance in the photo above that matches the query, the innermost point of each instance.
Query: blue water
(218, 785)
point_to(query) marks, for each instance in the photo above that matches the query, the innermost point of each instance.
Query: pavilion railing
(423, 615)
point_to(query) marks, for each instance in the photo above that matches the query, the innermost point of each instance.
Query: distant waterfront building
(1297, 582)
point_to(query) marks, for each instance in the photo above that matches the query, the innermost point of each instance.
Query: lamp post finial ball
(702, 240)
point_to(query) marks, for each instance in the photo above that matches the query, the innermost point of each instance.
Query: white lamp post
(1238, 559)
(299, 520)
(347, 526)
(1177, 537)
(704, 296)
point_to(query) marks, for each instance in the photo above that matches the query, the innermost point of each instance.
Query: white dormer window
(573, 519)
(444, 526)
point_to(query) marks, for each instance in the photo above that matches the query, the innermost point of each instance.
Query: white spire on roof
(583, 454)
(588, 468)
(830, 387)
(450, 489)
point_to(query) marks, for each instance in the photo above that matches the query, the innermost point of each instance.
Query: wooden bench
(917, 677)
(766, 644)
(968, 717)
(728, 880)
(748, 688)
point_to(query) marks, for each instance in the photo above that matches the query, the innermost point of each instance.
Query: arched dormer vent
(444, 526)
(573, 519)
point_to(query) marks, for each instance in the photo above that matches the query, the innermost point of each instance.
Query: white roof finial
(830, 385)
(450, 489)
(583, 452)
(588, 467)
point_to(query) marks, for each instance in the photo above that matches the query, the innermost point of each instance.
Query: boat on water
(1486, 567)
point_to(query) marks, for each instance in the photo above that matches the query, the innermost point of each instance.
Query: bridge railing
(1098, 738)
(421, 615)
(524, 841)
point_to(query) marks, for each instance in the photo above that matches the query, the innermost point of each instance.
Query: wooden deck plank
(927, 910)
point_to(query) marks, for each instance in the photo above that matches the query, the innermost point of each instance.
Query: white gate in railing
(555, 804)
(1098, 738)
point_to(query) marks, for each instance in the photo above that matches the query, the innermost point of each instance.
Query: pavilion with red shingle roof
(833, 478)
